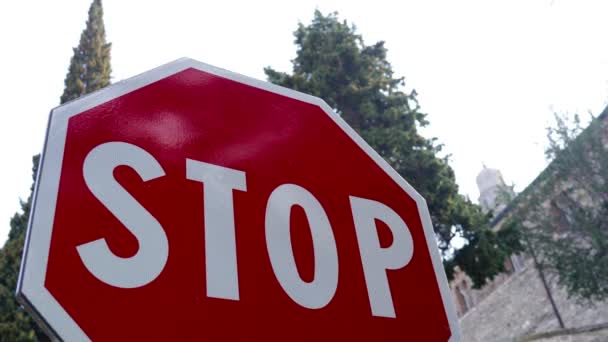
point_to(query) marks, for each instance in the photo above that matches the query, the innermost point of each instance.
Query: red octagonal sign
(192, 203)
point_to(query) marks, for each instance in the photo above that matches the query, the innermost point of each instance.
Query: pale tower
(494, 194)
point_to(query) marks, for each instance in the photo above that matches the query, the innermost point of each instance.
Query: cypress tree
(90, 66)
(15, 324)
(89, 71)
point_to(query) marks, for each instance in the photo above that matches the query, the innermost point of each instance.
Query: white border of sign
(31, 291)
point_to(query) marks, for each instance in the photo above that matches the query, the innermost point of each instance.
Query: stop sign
(192, 203)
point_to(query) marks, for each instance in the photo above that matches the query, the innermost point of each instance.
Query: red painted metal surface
(275, 140)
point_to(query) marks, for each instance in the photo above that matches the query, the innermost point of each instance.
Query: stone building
(494, 194)
(516, 303)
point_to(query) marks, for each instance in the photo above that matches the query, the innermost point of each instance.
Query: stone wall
(466, 296)
(595, 336)
(520, 307)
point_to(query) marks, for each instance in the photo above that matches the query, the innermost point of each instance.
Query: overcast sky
(488, 73)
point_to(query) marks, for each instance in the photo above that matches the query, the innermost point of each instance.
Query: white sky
(488, 73)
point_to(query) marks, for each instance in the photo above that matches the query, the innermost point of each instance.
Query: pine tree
(334, 63)
(89, 71)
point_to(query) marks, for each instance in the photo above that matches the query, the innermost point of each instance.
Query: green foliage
(15, 324)
(567, 210)
(89, 71)
(334, 63)
(579, 250)
(483, 256)
(90, 65)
